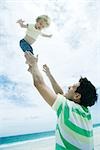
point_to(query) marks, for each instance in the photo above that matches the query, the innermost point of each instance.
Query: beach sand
(45, 143)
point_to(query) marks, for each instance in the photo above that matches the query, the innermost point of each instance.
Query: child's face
(40, 24)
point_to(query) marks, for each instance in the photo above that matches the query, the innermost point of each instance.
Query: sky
(73, 51)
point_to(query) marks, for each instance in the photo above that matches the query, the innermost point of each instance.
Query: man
(74, 125)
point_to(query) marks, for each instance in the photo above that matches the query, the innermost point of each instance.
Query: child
(33, 31)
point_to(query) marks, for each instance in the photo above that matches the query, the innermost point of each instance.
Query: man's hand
(46, 70)
(30, 58)
(55, 85)
(29, 69)
(48, 95)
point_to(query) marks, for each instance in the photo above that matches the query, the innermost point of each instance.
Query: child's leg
(25, 46)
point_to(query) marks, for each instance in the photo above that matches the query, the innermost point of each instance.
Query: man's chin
(66, 95)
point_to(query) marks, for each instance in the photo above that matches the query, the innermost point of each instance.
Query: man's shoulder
(59, 101)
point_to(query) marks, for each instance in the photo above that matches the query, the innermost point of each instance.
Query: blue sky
(73, 51)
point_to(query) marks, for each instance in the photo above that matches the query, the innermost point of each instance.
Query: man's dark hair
(87, 91)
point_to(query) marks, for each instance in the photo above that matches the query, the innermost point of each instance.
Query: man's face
(71, 94)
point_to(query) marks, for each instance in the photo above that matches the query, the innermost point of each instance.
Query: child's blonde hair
(45, 18)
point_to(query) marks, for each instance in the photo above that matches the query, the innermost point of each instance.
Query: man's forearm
(37, 77)
(54, 84)
(48, 95)
(43, 89)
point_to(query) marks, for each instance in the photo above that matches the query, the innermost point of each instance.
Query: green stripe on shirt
(59, 110)
(82, 114)
(59, 147)
(66, 143)
(75, 128)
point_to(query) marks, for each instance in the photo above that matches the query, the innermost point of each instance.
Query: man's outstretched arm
(39, 83)
(54, 83)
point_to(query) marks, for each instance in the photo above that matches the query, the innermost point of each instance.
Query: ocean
(25, 137)
(32, 136)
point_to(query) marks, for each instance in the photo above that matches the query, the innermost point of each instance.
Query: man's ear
(77, 96)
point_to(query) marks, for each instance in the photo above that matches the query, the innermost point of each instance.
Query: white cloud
(72, 51)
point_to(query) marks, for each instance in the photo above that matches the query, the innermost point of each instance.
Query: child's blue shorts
(25, 46)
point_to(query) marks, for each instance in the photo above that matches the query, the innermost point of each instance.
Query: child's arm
(46, 35)
(20, 21)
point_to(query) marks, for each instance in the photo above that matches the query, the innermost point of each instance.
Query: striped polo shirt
(74, 125)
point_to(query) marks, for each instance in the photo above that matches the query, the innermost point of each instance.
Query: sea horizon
(26, 137)
(31, 136)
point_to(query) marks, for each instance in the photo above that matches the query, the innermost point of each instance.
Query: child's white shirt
(32, 31)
